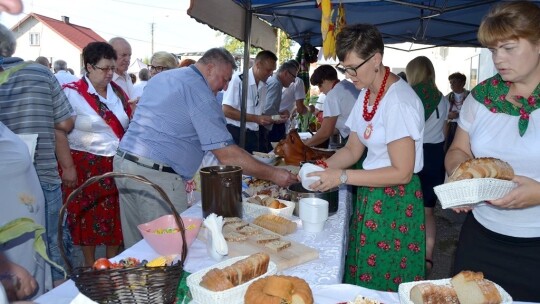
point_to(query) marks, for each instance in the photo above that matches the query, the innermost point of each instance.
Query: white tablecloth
(328, 269)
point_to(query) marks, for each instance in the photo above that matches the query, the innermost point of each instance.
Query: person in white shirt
(455, 98)
(340, 99)
(121, 76)
(61, 72)
(264, 65)
(291, 97)
(138, 88)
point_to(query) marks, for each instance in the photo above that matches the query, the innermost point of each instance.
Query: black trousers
(252, 138)
(433, 172)
(513, 263)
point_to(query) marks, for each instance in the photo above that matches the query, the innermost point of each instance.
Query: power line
(145, 5)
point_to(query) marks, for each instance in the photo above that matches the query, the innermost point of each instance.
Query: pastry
(279, 289)
(429, 293)
(265, 238)
(233, 236)
(278, 245)
(275, 223)
(483, 167)
(238, 273)
(472, 288)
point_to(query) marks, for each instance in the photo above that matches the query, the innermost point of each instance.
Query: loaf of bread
(472, 288)
(238, 273)
(279, 289)
(429, 293)
(482, 167)
(275, 223)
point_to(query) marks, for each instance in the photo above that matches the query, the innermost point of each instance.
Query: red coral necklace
(368, 116)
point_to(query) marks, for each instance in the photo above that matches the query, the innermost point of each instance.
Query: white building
(39, 35)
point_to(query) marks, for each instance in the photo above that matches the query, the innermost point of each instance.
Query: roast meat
(294, 151)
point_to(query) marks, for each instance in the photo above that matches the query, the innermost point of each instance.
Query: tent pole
(245, 80)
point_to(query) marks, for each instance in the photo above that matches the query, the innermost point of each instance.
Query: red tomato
(102, 263)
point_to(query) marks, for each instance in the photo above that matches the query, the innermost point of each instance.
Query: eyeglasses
(105, 69)
(157, 68)
(352, 71)
(290, 73)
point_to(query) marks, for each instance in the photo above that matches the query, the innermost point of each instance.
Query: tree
(236, 46)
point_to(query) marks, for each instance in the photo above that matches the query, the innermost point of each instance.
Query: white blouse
(497, 135)
(91, 133)
(400, 114)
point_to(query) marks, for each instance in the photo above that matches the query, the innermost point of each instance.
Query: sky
(173, 30)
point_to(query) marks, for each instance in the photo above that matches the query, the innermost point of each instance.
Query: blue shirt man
(177, 120)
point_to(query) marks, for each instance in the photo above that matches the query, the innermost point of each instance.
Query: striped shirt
(31, 102)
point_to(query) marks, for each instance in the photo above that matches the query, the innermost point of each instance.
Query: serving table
(326, 270)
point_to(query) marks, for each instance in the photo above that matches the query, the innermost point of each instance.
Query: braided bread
(482, 167)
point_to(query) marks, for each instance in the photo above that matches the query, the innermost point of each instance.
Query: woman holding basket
(500, 119)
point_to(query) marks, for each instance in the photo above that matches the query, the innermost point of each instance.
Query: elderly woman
(421, 76)
(500, 118)
(162, 61)
(340, 99)
(102, 116)
(386, 231)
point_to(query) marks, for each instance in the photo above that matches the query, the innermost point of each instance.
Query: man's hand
(265, 120)
(284, 178)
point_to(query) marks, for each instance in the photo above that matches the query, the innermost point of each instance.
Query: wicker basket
(233, 295)
(253, 210)
(129, 285)
(468, 192)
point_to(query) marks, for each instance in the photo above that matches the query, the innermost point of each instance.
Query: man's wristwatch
(343, 177)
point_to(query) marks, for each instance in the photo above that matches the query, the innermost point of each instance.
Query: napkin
(82, 299)
(215, 242)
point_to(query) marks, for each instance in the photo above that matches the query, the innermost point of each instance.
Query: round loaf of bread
(279, 289)
(483, 167)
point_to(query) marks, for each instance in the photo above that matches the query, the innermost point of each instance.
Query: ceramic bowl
(171, 242)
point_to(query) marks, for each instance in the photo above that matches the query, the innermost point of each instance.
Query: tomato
(102, 263)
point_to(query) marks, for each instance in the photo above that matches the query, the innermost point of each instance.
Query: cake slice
(266, 238)
(233, 236)
(231, 220)
(237, 226)
(278, 245)
(249, 230)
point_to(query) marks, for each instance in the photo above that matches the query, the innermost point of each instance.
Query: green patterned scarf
(430, 96)
(492, 94)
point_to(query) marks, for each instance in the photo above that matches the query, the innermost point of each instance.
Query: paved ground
(448, 227)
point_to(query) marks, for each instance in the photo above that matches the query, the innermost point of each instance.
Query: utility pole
(152, 35)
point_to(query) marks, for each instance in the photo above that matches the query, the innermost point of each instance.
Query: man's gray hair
(60, 65)
(218, 55)
(7, 42)
(288, 66)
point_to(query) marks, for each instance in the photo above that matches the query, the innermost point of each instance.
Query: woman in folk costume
(421, 76)
(386, 231)
(102, 116)
(501, 119)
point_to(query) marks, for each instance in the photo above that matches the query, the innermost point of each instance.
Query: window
(34, 38)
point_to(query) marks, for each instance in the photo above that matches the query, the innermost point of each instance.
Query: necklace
(368, 116)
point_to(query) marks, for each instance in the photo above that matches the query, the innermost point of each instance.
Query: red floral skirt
(93, 217)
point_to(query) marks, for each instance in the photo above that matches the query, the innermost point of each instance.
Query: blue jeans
(53, 203)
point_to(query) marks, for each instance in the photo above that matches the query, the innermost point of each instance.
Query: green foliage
(236, 46)
(284, 47)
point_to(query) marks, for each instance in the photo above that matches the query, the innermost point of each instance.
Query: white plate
(404, 291)
(267, 158)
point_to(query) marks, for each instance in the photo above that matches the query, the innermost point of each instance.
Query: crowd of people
(402, 131)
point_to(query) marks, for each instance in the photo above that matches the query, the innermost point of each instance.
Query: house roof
(77, 35)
